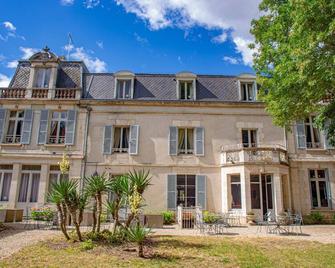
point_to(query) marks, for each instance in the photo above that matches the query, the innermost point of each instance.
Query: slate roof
(162, 87)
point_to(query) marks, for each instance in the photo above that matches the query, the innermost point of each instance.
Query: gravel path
(12, 241)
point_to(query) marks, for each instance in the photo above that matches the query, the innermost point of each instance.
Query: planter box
(154, 221)
(11, 215)
(2, 215)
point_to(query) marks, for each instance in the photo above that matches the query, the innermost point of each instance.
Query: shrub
(317, 217)
(209, 217)
(42, 214)
(168, 217)
(87, 245)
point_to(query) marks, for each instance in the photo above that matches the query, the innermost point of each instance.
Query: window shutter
(239, 89)
(27, 126)
(108, 139)
(132, 88)
(327, 142)
(201, 191)
(43, 128)
(300, 134)
(329, 194)
(2, 122)
(171, 191)
(199, 141)
(70, 129)
(254, 88)
(173, 139)
(133, 140)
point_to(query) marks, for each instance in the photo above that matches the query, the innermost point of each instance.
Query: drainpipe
(83, 173)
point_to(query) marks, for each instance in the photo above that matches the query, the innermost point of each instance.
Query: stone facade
(204, 139)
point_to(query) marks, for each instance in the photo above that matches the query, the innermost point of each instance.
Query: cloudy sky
(152, 36)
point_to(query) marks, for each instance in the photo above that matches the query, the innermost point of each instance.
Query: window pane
(19, 128)
(34, 187)
(20, 114)
(255, 196)
(236, 195)
(190, 191)
(7, 179)
(190, 180)
(127, 89)
(189, 90)
(181, 180)
(190, 202)
(23, 187)
(253, 138)
(117, 137)
(182, 91)
(245, 138)
(323, 193)
(269, 192)
(125, 138)
(254, 178)
(52, 180)
(314, 194)
(250, 92)
(244, 91)
(312, 173)
(181, 139)
(11, 126)
(190, 139)
(321, 174)
(55, 115)
(47, 78)
(61, 132)
(235, 178)
(39, 77)
(308, 136)
(63, 115)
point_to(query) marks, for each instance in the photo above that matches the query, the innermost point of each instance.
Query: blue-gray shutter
(327, 142)
(70, 129)
(199, 141)
(43, 128)
(2, 122)
(201, 191)
(27, 126)
(173, 141)
(300, 134)
(172, 191)
(254, 89)
(133, 139)
(329, 193)
(107, 140)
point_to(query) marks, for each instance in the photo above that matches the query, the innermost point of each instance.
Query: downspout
(83, 175)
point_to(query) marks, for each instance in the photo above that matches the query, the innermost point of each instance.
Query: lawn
(172, 251)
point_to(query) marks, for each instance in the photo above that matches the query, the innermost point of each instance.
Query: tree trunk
(64, 219)
(140, 250)
(130, 219)
(99, 211)
(75, 222)
(61, 221)
(94, 216)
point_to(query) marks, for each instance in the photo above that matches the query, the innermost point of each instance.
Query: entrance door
(267, 193)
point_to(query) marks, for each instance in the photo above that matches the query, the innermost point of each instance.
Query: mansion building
(206, 139)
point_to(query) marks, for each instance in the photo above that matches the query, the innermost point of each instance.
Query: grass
(172, 251)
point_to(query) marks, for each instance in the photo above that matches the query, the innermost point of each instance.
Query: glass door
(267, 193)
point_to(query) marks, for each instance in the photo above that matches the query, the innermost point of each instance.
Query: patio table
(280, 225)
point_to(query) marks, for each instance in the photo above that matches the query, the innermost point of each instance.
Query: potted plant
(251, 218)
(153, 220)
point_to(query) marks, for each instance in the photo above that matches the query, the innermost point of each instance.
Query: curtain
(7, 179)
(181, 139)
(34, 187)
(46, 77)
(190, 140)
(117, 137)
(53, 131)
(39, 77)
(23, 187)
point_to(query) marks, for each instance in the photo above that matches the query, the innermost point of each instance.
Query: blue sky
(153, 36)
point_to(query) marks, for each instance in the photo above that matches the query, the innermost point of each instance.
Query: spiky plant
(138, 235)
(96, 186)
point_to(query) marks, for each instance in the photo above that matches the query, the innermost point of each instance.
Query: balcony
(262, 154)
(12, 93)
(40, 93)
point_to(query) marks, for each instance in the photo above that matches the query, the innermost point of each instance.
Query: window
(185, 141)
(319, 188)
(123, 89)
(5, 181)
(57, 127)
(42, 77)
(29, 184)
(249, 138)
(247, 92)
(55, 176)
(235, 183)
(312, 133)
(267, 191)
(186, 90)
(255, 192)
(121, 139)
(14, 130)
(186, 190)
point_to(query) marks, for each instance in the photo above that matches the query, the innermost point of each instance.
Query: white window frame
(253, 91)
(58, 120)
(313, 144)
(192, 93)
(250, 144)
(2, 172)
(185, 151)
(231, 192)
(37, 69)
(120, 149)
(259, 183)
(124, 83)
(317, 180)
(30, 182)
(14, 139)
(186, 190)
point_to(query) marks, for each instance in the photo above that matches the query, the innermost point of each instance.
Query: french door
(267, 193)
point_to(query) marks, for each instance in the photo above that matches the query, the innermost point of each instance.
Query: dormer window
(248, 91)
(123, 89)
(42, 77)
(186, 90)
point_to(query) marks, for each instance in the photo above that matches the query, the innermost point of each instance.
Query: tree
(138, 234)
(96, 186)
(295, 60)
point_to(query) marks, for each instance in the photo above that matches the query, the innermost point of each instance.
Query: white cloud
(66, 2)
(28, 52)
(12, 64)
(180, 59)
(140, 39)
(229, 16)
(91, 3)
(220, 38)
(231, 60)
(94, 64)
(100, 44)
(4, 80)
(9, 26)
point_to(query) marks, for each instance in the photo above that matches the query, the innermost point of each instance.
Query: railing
(39, 93)
(120, 150)
(12, 139)
(12, 93)
(238, 154)
(65, 93)
(56, 140)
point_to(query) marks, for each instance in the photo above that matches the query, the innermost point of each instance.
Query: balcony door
(267, 193)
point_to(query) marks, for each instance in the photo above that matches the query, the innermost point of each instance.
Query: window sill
(54, 145)
(322, 210)
(316, 149)
(12, 144)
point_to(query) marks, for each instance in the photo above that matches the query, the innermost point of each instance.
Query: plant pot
(154, 221)
(251, 219)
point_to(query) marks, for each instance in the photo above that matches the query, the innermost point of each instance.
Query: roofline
(166, 75)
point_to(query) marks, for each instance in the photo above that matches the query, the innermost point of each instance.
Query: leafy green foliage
(42, 214)
(139, 180)
(87, 245)
(295, 59)
(209, 217)
(138, 234)
(317, 217)
(168, 217)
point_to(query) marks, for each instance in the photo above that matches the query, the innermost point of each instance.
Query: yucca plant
(96, 186)
(138, 235)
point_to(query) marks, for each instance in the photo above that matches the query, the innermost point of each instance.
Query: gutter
(83, 171)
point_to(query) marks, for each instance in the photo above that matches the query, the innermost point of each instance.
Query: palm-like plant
(138, 235)
(96, 186)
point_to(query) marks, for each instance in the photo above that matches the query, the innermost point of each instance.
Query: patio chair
(268, 220)
(296, 224)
